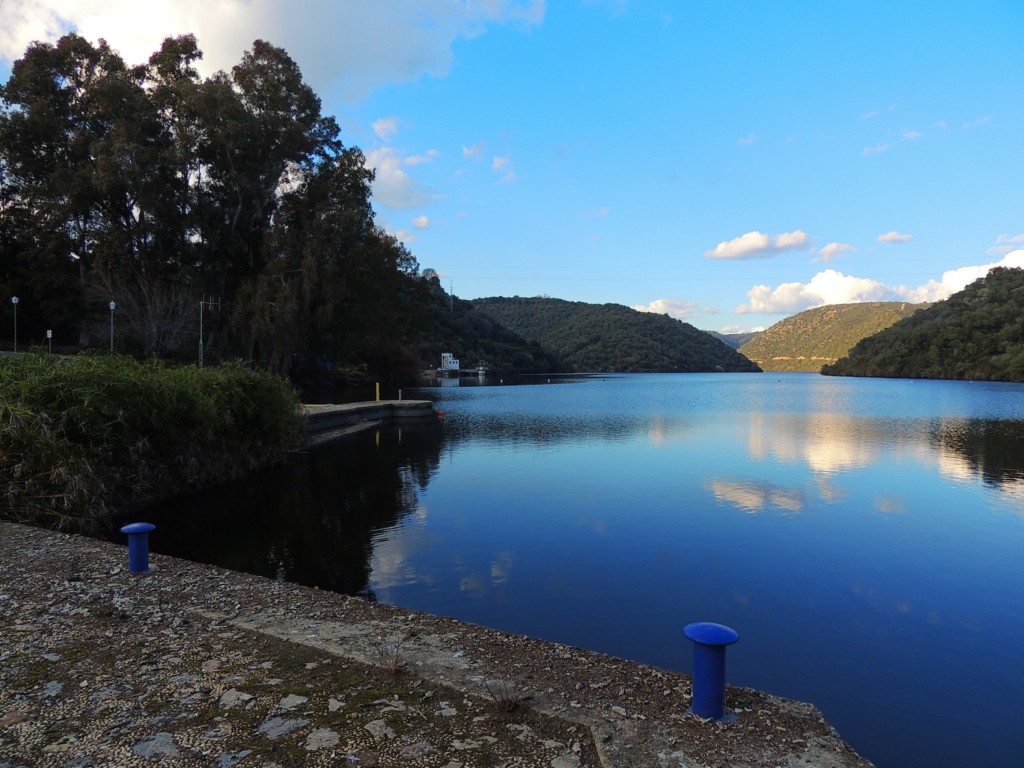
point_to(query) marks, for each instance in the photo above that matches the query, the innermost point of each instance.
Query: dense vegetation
(154, 188)
(977, 333)
(612, 337)
(83, 437)
(458, 326)
(815, 337)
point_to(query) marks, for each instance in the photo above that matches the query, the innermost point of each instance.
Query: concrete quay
(325, 423)
(190, 664)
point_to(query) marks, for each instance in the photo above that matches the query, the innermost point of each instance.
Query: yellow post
(378, 391)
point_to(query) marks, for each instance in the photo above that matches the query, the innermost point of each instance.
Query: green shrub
(82, 437)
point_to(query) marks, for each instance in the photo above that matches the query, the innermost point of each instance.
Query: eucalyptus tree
(154, 187)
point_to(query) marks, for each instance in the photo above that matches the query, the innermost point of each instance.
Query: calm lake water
(864, 537)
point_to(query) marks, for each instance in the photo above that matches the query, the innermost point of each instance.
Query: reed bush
(82, 438)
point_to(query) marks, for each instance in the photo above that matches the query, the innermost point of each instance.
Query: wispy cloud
(385, 128)
(876, 150)
(758, 245)
(979, 122)
(747, 140)
(1006, 243)
(474, 151)
(504, 164)
(873, 113)
(677, 308)
(421, 222)
(893, 238)
(833, 251)
(909, 134)
(426, 157)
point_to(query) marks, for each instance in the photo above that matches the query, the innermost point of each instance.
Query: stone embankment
(192, 665)
(325, 423)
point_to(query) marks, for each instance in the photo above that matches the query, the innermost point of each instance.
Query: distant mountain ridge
(977, 333)
(820, 336)
(736, 340)
(612, 337)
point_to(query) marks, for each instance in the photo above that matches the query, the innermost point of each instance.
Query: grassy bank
(84, 437)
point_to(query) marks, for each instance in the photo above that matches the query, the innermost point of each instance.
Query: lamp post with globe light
(112, 306)
(14, 301)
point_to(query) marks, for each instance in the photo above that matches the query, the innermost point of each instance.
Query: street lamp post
(112, 306)
(14, 301)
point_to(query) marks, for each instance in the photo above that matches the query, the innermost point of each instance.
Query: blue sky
(729, 163)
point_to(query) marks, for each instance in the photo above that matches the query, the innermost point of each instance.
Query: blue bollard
(138, 546)
(710, 641)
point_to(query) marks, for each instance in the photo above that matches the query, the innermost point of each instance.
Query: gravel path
(191, 665)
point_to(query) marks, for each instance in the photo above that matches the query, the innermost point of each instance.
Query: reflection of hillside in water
(549, 429)
(987, 448)
(311, 521)
(831, 445)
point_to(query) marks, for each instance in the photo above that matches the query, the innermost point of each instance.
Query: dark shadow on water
(310, 521)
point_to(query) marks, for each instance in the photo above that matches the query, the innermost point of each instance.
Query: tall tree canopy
(155, 188)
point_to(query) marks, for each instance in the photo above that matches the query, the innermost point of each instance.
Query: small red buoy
(440, 414)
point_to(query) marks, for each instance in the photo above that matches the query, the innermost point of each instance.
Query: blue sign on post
(709, 644)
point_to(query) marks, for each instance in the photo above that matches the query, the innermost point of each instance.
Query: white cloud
(348, 46)
(421, 222)
(1006, 243)
(876, 112)
(386, 127)
(504, 164)
(833, 251)
(909, 134)
(980, 121)
(727, 329)
(954, 280)
(875, 150)
(828, 287)
(832, 287)
(426, 157)
(747, 140)
(894, 237)
(392, 186)
(676, 308)
(758, 245)
(474, 151)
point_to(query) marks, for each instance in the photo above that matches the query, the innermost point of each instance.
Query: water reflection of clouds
(890, 505)
(827, 443)
(753, 496)
(391, 552)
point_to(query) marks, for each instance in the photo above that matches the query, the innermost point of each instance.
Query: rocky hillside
(820, 336)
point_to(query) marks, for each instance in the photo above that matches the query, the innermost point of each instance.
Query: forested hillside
(612, 337)
(816, 337)
(977, 333)
(456, 325)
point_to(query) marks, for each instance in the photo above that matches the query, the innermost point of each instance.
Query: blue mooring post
(138, 546)
(709, 643)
